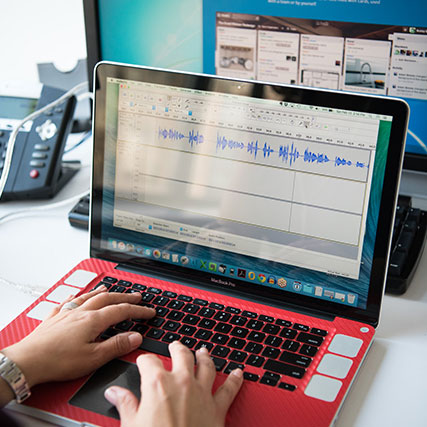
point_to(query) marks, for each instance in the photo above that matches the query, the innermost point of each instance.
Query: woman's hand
(181, 397)
(64, 346)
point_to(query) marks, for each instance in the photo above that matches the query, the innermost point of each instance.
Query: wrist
(12, 375)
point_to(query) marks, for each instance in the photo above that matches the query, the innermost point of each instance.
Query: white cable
(418, 139)
(32, 116)
(24, 212)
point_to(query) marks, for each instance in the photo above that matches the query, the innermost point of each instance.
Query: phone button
(37, 164)
(37, 155)
(34, 173)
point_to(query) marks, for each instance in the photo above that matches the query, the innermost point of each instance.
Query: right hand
(181, 397)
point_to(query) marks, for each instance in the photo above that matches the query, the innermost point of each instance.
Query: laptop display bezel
(387, 106)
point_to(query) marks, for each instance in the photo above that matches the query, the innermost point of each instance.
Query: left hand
(64, 346)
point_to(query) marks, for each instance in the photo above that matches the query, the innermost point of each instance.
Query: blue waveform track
(222, 143)
(288, 153)
(194, 138)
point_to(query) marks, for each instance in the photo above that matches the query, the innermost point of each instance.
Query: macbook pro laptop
(254, 217)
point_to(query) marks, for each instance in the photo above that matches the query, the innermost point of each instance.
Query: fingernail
(135, 339)
(111, 395)
(238, 372)
(202, 350)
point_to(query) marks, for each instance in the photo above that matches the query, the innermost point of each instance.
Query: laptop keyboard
(268, 349)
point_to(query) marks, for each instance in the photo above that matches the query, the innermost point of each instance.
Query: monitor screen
(370, 46)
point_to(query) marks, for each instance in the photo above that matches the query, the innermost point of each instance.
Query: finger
(80, 300)
(125, 402)
(105, 299)
(205, 372)
(113, 314)
(226, 393)
(182, 358)
(117, 346)
(58, 307)
(151, 370)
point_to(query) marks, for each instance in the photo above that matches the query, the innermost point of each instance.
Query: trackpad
(91, 394)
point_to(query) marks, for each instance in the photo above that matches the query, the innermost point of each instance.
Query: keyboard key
(249, 314)
(110, 332)
(250, 377)
(284, 323)
(295, 359)
(222, 316)
(255, 360)
(238, 356)
(206, 312)
(308, 350)
(239, 332)
(162, 311)
(219, 339)
(175, 304)
(155, 333)
(288, 333)
(286, 386)
(107, 285)
(300, 327)
(256, 336)
(156, 321)
(220, 351)
(185, 298)
(232, 366)
(207, 345)
(207, 323)
(187, 330)
(284, 369)
(232, 310)
(116, 288)
(161, 300)
(264, 318)
(132, 291)
(139, 287)
(253, 347)
(156, 291)
(203, 334)
(199, 301)
(170, 337)
(190, 319)
(255, 324)
(238, 320)
(219, 363)
(109, 279)
(310, 339)
(271, 329)
(169, 294)
(291, 345)
(273, 341)
(216, 306)
(153, 346)
(171, 325)
(142, 329)
(175, 315)
(191, 308)
(320, 332)
(124, 283)
(146, 297)
(270, 379)
(188, 342)
(271, 352)
(236, 343)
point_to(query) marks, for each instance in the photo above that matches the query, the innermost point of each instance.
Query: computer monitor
(368, 46)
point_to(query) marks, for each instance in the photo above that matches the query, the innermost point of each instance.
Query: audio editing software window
(284, 182)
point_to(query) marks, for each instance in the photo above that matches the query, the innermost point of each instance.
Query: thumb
(226, 393)
(124, 400)
(118, 345)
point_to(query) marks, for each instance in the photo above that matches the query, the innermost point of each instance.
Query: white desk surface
(39, 249)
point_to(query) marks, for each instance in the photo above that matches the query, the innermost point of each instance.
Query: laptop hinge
(163, 274)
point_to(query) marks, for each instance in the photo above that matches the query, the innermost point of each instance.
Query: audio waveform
(194, 138)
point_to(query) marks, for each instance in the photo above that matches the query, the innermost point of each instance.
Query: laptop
(254, 217)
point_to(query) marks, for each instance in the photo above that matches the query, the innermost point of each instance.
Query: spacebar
(154, 346)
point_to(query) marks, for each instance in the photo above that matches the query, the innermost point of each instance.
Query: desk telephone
(37, 170)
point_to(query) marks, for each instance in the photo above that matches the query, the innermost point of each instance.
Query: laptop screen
(277, 194)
